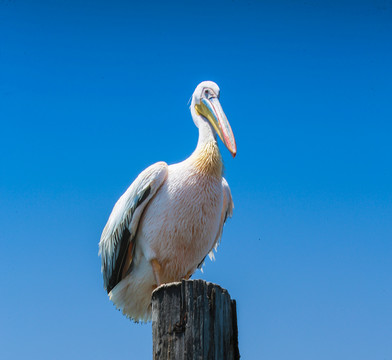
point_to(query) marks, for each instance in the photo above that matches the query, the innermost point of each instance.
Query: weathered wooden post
(194, 319)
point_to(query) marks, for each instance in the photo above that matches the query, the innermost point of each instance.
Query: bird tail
(132, 295)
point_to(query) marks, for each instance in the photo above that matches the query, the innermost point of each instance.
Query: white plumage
(171, 217)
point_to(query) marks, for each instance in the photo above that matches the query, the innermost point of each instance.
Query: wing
(117, 239)
(227, 211)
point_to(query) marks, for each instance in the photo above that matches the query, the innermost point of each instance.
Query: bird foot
(188, 275)
(156, 268)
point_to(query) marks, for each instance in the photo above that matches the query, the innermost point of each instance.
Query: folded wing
(227, 211)
(116, 246)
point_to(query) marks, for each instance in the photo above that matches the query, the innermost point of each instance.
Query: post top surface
(187, 283)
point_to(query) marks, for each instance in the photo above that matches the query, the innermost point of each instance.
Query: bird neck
(207, 158)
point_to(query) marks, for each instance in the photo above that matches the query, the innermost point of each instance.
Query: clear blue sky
(93, 92)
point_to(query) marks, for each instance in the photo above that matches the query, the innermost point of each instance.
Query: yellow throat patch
(209, 160)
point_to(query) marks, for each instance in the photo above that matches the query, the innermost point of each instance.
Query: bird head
(206, 106)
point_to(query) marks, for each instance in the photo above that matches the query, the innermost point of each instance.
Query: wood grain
(194, 319)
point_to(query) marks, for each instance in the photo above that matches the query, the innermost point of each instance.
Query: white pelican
(171, 217)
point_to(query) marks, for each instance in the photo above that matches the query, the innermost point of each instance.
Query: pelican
(169, 219)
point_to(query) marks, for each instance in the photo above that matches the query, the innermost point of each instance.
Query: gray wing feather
(227, 211)
(123, 222)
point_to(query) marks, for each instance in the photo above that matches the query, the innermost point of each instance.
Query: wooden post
(194, 319)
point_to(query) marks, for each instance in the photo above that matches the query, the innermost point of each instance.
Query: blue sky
(93, 92)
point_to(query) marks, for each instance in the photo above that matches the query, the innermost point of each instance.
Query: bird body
(165, 224)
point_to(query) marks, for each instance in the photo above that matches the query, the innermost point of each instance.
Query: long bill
(212, 110)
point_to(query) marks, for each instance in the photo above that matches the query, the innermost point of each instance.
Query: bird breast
(180, 224)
